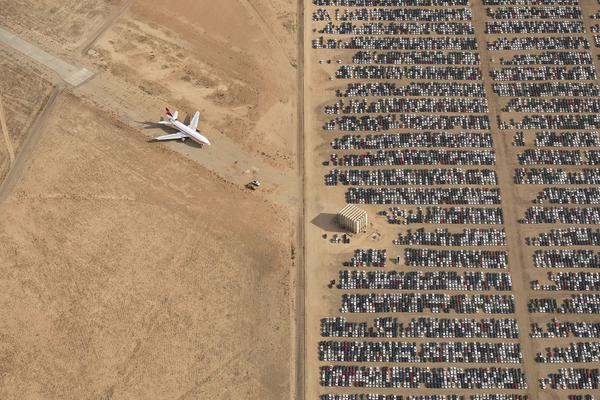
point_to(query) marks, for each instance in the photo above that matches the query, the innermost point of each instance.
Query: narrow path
(9, 146)
(85, 46)
(31, 139)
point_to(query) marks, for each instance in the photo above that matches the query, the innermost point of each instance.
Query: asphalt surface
(71, 74)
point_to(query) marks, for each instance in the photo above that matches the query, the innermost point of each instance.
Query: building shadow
(326, 221)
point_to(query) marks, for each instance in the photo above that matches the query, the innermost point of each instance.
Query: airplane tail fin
(172, 115)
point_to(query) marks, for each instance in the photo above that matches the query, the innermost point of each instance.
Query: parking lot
(468, 131)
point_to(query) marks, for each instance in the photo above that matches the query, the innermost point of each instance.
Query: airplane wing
(195, 120)
(171, 136)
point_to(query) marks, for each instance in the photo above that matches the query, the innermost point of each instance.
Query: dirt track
(108, 22)
(8, 142)
(300, 301)
(26, 152)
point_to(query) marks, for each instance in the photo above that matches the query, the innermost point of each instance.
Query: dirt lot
(65, 23)
(138, 270)
(238, 78)
(126, 278)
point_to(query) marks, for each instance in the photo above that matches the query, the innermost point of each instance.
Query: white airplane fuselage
(184, 131)
(189, 132)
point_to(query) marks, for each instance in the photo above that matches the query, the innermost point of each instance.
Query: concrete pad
(72, 74)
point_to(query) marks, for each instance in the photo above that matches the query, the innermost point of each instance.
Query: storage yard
(468, 130)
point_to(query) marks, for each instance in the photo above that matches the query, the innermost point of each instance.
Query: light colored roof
(352, 212)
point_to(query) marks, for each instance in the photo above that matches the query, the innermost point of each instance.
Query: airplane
(185, 131)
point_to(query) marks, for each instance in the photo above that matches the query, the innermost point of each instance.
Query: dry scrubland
(65, 23)
(129, 270)
(124, 275)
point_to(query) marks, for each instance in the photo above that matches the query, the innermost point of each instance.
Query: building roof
(352, 212)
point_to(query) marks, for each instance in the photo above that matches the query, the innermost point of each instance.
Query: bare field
(126, 278)
(64, 23)
(138, 270)
(217, 58)
(22, 94)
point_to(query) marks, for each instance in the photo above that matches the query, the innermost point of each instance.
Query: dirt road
(85, 46)
(32, 138)
(9, 146)
(300, 327)
(504, 156)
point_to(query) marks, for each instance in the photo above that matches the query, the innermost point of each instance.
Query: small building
(352, 218)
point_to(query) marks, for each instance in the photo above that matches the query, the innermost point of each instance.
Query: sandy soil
(65, 23)
(126, 278)
(22, 93)
(146, 270)
(239, 78)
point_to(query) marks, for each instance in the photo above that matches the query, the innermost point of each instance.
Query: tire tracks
(9, 146)
(31, 139)
(85, 46)
(266, 30)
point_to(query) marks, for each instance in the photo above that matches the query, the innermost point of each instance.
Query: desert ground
(142, 270)
(135, 269)
(23, 94)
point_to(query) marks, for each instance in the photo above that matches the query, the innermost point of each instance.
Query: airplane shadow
(193, 144)
(154, 125)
